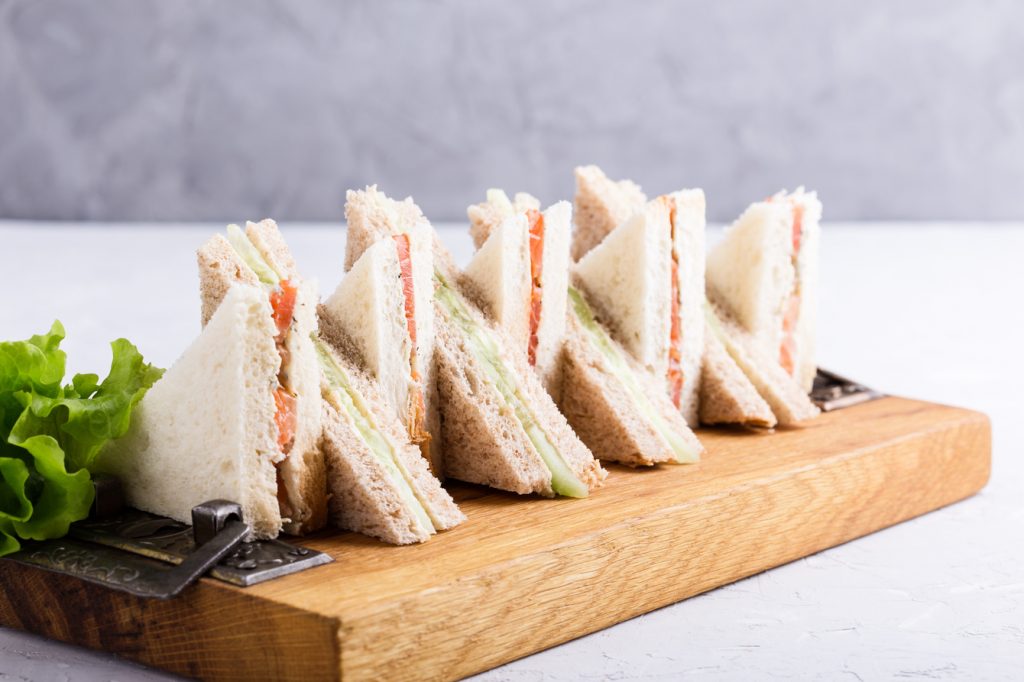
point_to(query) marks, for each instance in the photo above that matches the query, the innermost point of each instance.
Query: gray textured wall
(138, 109)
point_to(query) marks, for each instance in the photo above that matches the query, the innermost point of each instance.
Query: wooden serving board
(524, 574)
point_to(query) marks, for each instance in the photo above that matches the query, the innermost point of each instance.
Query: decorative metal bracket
(834, 392)
(153, 556)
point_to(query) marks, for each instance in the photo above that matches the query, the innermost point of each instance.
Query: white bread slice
(367, 312)
(787, 399)
(625, 278)
(554, 285)
(487, 215)
(751, 273)
(498, 278)
(372, 216)
(368, 305)
(206, 428)
(302, 474)
(601, 206)
(365, 497)
(750, 270)
(628, 276)
(726, 394)
(604, 414)
(689, 244)
(484, 441)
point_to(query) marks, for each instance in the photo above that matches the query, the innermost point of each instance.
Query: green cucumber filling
(485, 350)
(621, 370)
(714, 324)
(361, 417)
(248, 252)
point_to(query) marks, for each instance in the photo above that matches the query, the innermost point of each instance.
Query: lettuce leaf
(50, 434)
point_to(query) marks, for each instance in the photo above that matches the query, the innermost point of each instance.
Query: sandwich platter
(521, 574)
(436, 470)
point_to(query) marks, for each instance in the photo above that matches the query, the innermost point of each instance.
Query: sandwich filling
(675, 353)
(282, 294)
(485, 350)
(619, 368)
(791, 311)
(282, 303)
(360, 418)
(536, 219)
(416, 409)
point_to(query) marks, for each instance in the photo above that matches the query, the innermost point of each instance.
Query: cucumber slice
(248, 252)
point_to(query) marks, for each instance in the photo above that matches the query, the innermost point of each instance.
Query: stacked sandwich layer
(567, 340)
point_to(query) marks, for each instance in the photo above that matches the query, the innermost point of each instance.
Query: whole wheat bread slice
(363, 496)
(787, 399)
(372, 215)
(483, 441)
(220, 268)
(601, 205)
(726, 394)
(603, 414)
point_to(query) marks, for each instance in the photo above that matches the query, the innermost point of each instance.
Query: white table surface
(932, 311)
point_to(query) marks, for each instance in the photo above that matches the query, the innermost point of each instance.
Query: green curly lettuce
(50, 434)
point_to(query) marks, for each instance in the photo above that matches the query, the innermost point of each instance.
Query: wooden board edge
(541, 600)
(213, 631)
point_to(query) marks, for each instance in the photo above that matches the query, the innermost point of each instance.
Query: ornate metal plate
(833, 392)
(102, 565)
(170, 541)
(141, 553)
(133, 573)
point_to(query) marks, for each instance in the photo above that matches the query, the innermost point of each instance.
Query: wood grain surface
(523, 574)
